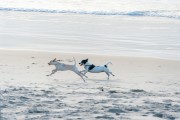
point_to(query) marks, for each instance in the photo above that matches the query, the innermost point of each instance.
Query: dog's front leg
(53, 71)
(83, 75)
(85, 71)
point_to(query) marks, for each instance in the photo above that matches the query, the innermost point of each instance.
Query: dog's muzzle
(80, 64)
(49, 64)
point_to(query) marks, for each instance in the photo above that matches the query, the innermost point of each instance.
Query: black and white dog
(95, 69)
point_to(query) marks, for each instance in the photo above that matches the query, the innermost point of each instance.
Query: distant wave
(159, 13)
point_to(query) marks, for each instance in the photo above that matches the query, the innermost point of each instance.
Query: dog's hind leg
(108, 71)
(111, 73)
(78, 73)
(107, 74)
(83, 75)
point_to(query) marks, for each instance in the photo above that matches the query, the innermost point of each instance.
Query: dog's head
(53, 62)
(83, 62)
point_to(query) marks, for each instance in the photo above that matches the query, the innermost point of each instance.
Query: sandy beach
(143, 88)
(140, 38)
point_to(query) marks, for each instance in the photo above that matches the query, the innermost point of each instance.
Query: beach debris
(101, 88)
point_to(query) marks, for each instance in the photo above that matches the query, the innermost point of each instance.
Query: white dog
(95, 69)
(63, 67)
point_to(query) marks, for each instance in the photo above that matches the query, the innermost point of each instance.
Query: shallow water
(90, 34)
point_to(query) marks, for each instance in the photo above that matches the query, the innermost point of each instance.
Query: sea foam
(161, 8)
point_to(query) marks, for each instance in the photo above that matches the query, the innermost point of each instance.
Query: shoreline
(86, 54)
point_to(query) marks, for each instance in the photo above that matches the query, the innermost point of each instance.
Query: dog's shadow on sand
(96, 80)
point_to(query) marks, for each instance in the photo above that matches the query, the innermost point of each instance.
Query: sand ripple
(84, 102)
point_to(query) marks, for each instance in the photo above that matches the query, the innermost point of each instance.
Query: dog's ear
(54, 59)
(87, 59)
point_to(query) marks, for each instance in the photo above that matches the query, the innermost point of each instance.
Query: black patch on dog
(105, 66)
(91, 67)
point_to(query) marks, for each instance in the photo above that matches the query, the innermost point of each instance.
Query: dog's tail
(108, 64)
(74, 61)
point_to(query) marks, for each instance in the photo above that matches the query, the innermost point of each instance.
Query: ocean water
(116, 27)
(153, 8)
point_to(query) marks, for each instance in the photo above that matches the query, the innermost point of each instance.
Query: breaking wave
(159, 13)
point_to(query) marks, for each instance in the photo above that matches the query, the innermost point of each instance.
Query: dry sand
(143, 88)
